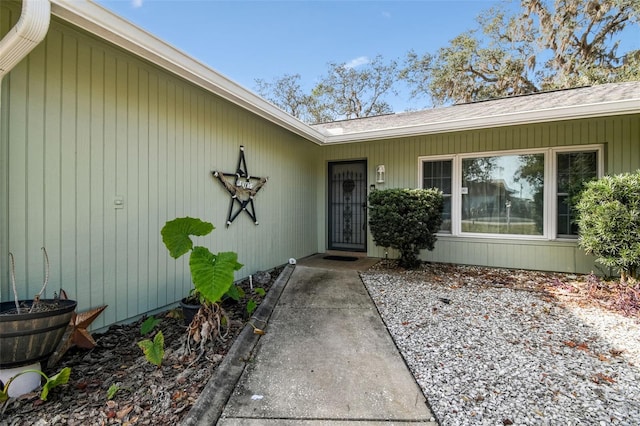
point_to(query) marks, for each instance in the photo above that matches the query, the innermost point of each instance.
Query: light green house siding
(85, 124)
(620, 136)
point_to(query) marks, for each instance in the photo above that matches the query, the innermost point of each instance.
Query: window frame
(553, 203)
(550, 217)
(454, 183)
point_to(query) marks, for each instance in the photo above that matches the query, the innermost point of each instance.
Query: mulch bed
(143, 394)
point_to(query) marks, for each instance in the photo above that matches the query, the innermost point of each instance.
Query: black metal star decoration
(242, 187)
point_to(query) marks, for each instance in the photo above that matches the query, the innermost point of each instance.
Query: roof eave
(622, 107)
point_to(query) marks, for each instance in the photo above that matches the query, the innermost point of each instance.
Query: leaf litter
(113, 383)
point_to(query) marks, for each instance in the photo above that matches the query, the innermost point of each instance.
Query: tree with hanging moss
(609, 222)
(540, 45)
(406, 220)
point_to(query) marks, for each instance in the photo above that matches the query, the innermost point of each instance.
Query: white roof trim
(107, 25)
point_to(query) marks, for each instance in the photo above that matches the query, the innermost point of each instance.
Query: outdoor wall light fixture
(380, 173)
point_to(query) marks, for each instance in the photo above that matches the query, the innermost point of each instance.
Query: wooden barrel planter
(26, 338)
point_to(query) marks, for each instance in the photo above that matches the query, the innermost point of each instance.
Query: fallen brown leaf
(122, 413)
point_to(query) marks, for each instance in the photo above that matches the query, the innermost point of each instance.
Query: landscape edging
(214, 397)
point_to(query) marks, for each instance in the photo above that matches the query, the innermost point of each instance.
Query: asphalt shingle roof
(532, 103)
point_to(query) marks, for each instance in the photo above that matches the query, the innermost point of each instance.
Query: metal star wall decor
(242, 187)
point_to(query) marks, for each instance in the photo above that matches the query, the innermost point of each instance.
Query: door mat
(341, 258)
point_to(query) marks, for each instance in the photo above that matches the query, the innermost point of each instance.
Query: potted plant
(30, 330)
(212, 275)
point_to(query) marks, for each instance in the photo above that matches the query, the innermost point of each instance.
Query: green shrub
(609, 222)
(406, 220)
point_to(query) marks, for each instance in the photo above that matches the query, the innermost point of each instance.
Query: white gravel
(485, 355)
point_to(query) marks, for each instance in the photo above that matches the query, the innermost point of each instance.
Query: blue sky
(245, 40)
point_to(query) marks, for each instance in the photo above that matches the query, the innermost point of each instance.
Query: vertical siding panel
(53, 149)
(585, 136)
(197, 162)
(110, 151)
(35, 162)
(182, 149)
(202, 175)
(5, 23)
(153, 219)
(68, 193)
(17, 182)
(551, 135)
(529, 135)
(179, 152)
(83, 183)
(627, 142)
(623, 144)
(122, 256)
(601, 127)
(592, 131)
(162, 172)
(207, 152)
(616, 142)
(98, 172)
(132, 190)
(174, 286)
(187, 146)
(142, 199)
(539, 136)
(634, 141)
(607, 134)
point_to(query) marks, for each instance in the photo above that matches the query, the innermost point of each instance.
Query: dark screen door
(348, 205)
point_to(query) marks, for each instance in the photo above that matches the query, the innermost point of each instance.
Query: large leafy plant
(212, 274)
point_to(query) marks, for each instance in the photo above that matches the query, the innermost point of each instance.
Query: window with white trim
(437, 174)
(512, 194)
(573, 169)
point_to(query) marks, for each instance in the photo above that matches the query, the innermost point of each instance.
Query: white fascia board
(623, 107)
(114, 29)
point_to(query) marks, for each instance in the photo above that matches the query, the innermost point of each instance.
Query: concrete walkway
(326, 359)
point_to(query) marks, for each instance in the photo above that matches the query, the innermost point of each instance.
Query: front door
(348, 205)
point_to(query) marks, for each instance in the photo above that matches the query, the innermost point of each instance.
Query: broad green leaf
(149, 324)
(212, 275)
(153, 351)
(251, 306)
(111, 392)
(58, 379)
(176, 234)
(235, 293)
(259, 291)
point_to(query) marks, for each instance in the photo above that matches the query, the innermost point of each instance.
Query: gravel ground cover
(500, 347)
